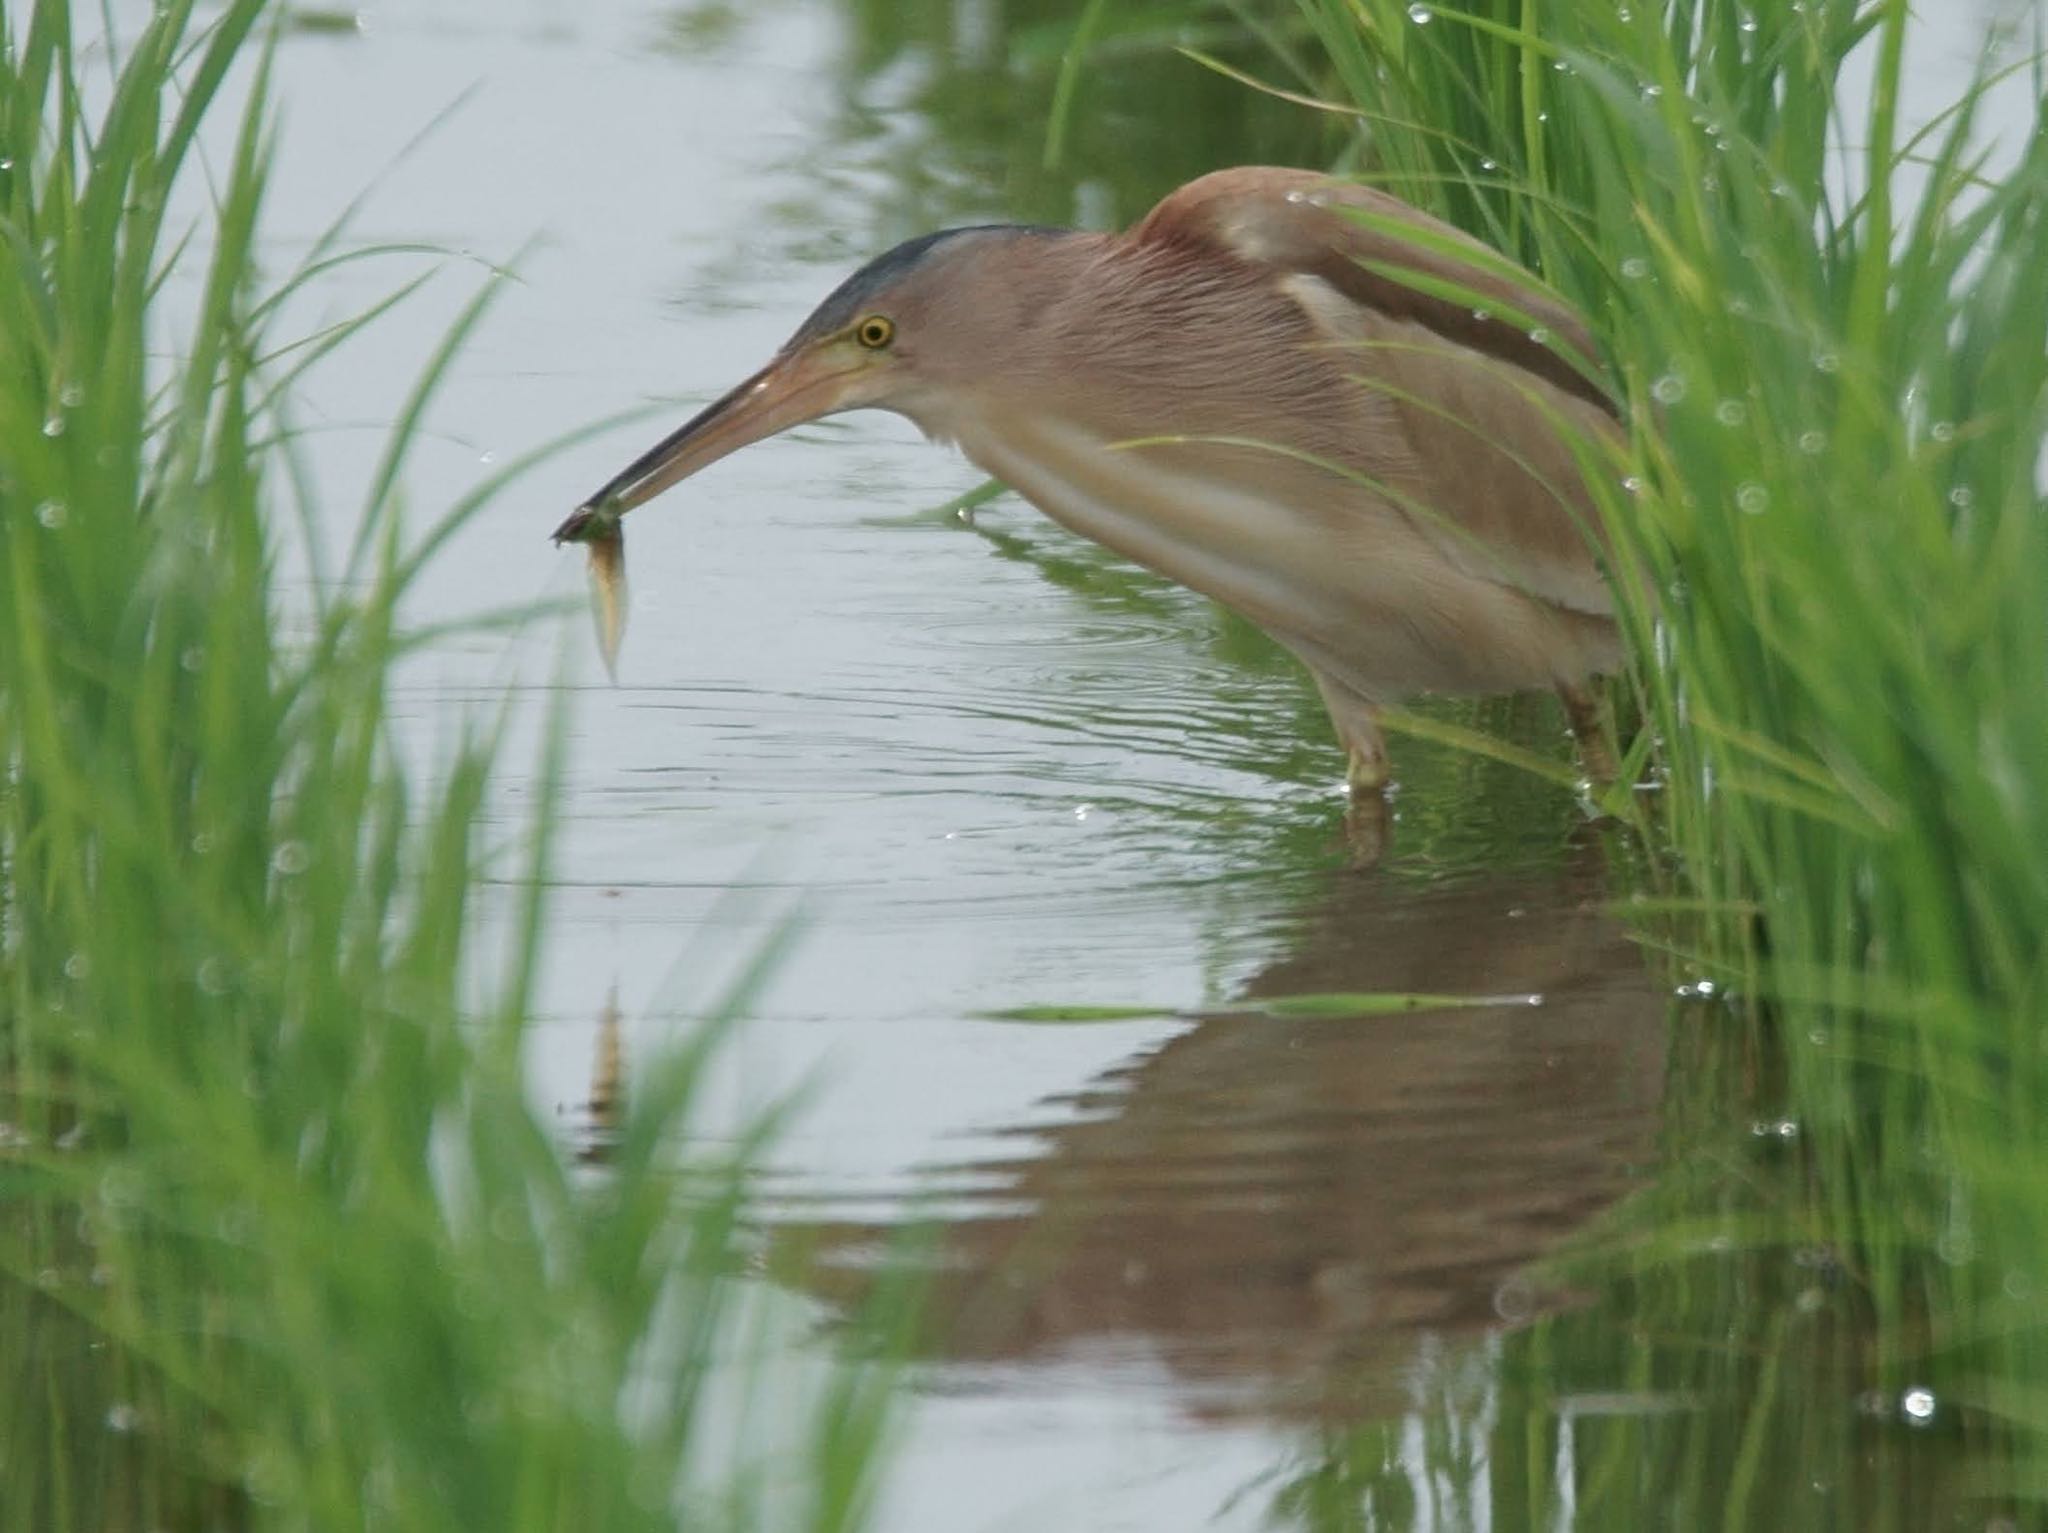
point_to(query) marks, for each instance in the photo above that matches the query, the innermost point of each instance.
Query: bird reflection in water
(1289, 1211)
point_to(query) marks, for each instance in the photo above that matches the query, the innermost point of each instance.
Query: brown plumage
(1302, 397)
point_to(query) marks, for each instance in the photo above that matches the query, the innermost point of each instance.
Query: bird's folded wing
(1492, 375)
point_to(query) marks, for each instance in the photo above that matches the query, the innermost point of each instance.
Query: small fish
(597, 528)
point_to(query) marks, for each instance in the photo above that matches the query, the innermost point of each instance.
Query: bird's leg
(1585, 709)
(1357, 723)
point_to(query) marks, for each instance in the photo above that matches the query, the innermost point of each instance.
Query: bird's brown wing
(1479, 395)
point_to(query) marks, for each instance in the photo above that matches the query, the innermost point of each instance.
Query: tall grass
(1830, 328)
(283, 1242)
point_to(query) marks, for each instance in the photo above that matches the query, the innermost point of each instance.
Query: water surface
(1206, 1266)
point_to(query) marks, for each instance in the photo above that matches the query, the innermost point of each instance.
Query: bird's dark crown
(852, 298)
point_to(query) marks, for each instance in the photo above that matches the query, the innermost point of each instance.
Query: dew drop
(1753, 498)
(1513, 1301)
(1943, 431)
(1635, 268)
(1962, 497)
(51, 514)
(1812, 443)
(1918, 1405)
(1731, 412)
(1668, 390)
(123, 1418)
(54, 426)
(290, 858)
(1421, 15)
(1827, 361)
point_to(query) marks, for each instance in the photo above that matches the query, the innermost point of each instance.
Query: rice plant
(283, 1241)
(1830, 329)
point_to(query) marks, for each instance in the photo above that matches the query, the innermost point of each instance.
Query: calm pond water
(1208, 1267)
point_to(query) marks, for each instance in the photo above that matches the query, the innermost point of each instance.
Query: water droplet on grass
(1668, 390)
(1421, 15)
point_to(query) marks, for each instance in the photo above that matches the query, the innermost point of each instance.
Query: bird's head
(900, 334)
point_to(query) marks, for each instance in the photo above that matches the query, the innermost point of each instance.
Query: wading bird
(1337, 416)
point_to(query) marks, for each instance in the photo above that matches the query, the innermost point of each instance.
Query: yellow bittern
(1330, 412)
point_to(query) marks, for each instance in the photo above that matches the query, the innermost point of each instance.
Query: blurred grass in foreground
(283, 1242)
(1832, 336)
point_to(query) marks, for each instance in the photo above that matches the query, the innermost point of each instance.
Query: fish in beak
(795, 388)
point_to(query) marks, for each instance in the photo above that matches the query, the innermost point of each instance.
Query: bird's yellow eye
(875, 332)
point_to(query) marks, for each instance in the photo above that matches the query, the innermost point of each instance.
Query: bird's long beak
(794, 388)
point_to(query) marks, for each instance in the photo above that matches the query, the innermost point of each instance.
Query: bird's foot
(1367, 774)
(1369, 820)
(1368, 830)
(1585, 711)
